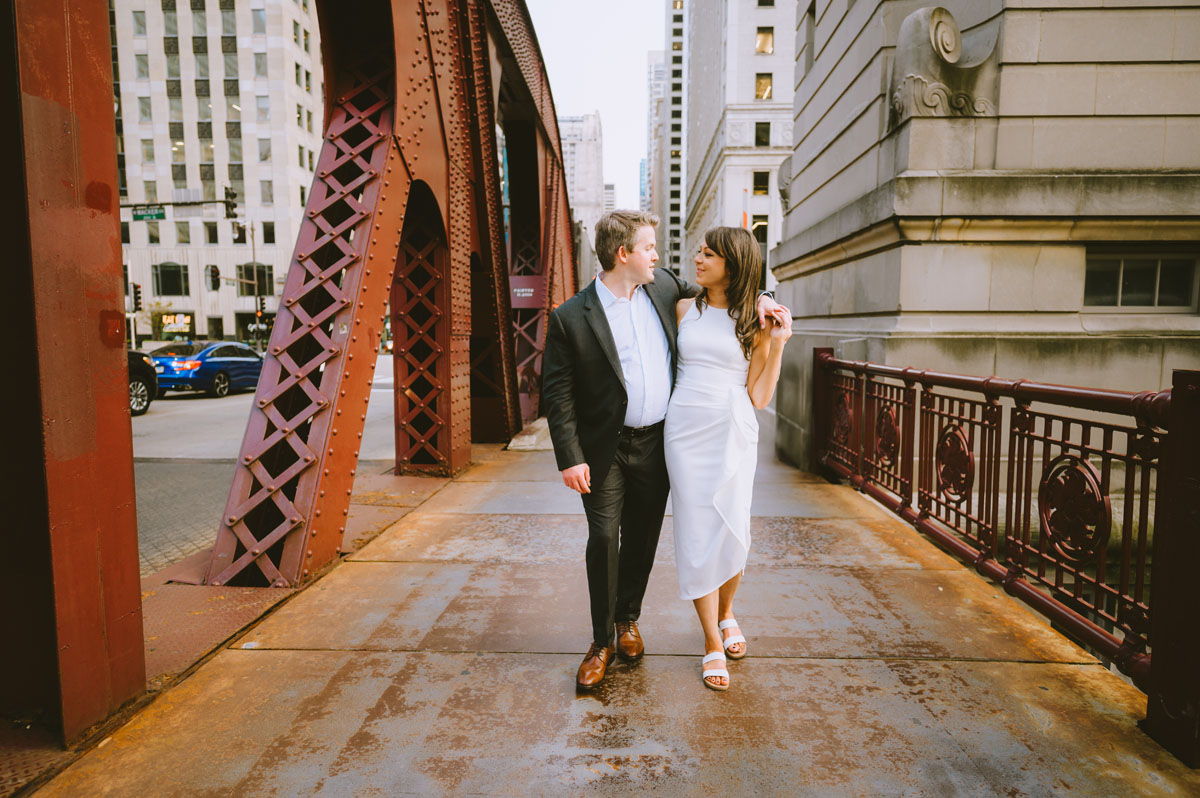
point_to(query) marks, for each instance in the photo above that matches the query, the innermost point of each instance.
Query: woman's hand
(782, 328)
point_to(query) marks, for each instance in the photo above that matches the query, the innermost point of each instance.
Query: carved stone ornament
(936, 73)
(955, 464)
(1073, 508)
(887, 436)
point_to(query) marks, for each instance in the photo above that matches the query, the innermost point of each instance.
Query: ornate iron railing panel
(1090, 513)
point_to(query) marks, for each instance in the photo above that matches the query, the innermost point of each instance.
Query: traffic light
(230, 203)
(262, 305)
(137, 297)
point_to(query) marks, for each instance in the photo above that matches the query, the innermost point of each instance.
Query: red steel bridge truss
(407, 212)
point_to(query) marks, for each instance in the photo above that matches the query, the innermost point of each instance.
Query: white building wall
(582, 139)
(276, 35)
(724, 152)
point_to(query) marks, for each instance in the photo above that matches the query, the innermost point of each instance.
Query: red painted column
(1173, 703)
(69, 573)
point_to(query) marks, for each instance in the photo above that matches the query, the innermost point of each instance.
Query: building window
(308, 81)
(141, 64)
(677, 32)
(676, 45)
(251, 273)
(299, 115)
(150, 188)
(239, 233)
(766, 3)
(204, 109)
(235, 150)
(170, 23)
(306, 41)
(172, 65)
(675, 194)
(810, 24)
(170, 279)
(201, 61)
(310, 160)
(175, 109)
(178, 152)
(231, 65)
(296, 32)
(213, 277)
(676, 59)
(758, 227)
(300, 154)
(260, 65)
(151, 232)
(266, 190)
(268, 232)
(233, 111)
(183, 232)
(145, 113)
(764, 41)
(263, 107)
(1143, 281)
(124, 232)
(762, 86)
(674, 181)
(264, 150)
(676, 114)
(762, 134)
(199, 23)
(299, 75)
(147, 150)
(309, 125)
(139, 23)
(677, 4)
(258, 20)
(762, 182)
(228, 22)
(676, 128)
(303, 195)
(210, 233)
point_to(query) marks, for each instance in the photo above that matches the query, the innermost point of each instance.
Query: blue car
(214, 366)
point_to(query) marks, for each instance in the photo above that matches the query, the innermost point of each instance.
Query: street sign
(143, 213)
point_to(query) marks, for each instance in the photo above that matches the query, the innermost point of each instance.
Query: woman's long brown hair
(743, 269)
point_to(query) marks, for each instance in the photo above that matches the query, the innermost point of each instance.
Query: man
(608, 369)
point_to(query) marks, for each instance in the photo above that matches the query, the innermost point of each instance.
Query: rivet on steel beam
(335, 432)
(247, 459)
(231, 520)
(309, 556)
(216, 583)
(313, 533)
(306, 572)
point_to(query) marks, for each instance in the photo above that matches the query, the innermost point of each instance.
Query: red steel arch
(406, 208)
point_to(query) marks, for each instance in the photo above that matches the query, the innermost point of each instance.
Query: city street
(184, 450)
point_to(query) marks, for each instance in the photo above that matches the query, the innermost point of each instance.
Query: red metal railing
(1083, 503)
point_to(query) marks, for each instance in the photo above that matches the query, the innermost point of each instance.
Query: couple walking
(650, 385)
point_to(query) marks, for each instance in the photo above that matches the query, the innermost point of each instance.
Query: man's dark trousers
(625, 514)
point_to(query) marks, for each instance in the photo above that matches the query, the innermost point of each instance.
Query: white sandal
(705, 674)
(732, 639)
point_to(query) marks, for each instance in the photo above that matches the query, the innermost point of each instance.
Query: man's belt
(637, 432)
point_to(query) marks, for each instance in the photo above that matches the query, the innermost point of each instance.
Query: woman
(727, 367)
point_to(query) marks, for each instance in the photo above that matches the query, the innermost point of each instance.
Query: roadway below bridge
(439, 659)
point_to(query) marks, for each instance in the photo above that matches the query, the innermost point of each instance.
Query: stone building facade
(582, 140)
(739, 103)
(993, 187)
(213, 95)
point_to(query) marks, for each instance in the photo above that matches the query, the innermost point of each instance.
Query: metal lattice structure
(405, 211)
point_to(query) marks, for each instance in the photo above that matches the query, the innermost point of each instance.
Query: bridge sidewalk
(440, 659)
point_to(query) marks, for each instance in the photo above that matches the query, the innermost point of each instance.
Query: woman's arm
(682, 307)
(766, 359)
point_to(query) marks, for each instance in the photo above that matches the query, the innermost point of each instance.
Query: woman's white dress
(711, 441)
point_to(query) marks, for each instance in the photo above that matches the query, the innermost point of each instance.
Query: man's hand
(578, 478)
(767, 308)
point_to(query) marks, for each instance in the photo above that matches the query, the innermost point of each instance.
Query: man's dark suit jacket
(582, 383)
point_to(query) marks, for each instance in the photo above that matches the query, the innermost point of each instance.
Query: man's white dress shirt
(643, 351)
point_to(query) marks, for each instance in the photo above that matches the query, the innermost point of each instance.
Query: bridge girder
(407, 210)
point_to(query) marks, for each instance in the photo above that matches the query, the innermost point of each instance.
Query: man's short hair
(618, 229)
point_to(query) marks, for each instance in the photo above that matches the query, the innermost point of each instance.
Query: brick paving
(179, 505)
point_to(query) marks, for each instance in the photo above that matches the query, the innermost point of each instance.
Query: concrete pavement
(439, 660)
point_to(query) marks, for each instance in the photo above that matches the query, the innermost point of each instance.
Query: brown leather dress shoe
(594, 665)
(629, 641)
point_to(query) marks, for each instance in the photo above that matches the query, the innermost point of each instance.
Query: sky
(595, 54)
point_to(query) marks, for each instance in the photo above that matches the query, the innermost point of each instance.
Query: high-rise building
(610, 196)
(739, 118)
(582, 139)
(213, 96)
(656, 88)
(667, 113)
(643, 185)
